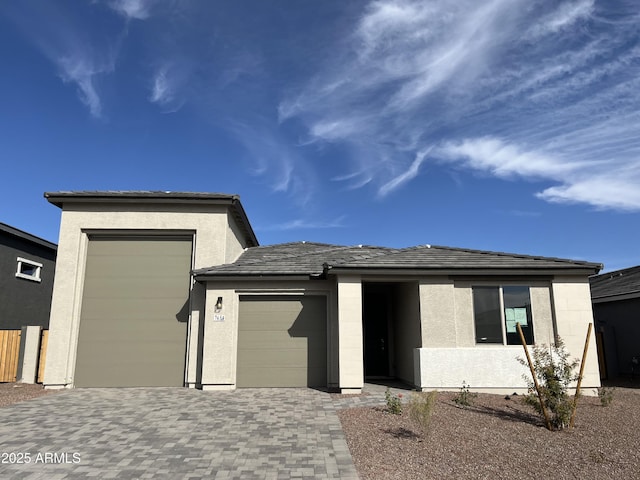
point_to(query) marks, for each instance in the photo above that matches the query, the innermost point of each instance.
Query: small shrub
(605, 394)
(421, 407)
(465, 398)
(394, 402)
(555, 371)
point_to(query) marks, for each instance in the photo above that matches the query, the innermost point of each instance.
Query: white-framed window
(28, 269)
(497, 310)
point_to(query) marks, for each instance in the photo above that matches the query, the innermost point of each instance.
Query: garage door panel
(266, 340)
(135, 289)
(110, 308)
(282, 342)
(289, 358)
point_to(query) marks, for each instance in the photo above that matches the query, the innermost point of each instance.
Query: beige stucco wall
(573, 311)
(450, 354)
(214, 243)
(438, 310)
(407, 333)
(220, 342)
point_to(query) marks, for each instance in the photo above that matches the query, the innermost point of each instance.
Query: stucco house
(173, 289)
(616, 308)
(27, 266)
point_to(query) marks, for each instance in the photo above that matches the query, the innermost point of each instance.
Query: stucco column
(573, 312)
(350, 338)
(220, 339)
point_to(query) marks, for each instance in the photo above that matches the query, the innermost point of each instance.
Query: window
(497, 310)
(28, 269)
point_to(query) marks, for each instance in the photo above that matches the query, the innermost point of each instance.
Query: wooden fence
(9, 354)
(44, 340)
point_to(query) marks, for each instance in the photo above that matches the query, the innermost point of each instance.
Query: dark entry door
(375, 314)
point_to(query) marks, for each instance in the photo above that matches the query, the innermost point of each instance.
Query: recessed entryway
(391, 329)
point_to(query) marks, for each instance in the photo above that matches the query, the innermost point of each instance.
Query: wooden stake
(535, 379)
(584, 358)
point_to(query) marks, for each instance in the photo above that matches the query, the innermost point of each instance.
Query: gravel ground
(11, 393)
(497, 438)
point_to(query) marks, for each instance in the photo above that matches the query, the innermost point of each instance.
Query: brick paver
(176, 433)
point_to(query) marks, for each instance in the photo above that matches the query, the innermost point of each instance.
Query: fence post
(29, 352)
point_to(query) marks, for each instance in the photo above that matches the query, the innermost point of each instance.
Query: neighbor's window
(28, 269)
(496, 311)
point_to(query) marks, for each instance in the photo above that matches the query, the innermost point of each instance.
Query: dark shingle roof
(298, 258)
(147, 196)
(313, 259)
(27, 236)
(439, 257)
(612, 284)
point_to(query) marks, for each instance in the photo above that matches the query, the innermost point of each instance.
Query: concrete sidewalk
(175, 433)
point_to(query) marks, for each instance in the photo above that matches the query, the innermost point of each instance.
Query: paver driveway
(174, 433)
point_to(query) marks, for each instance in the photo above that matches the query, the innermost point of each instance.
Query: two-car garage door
(135, 305)
(282, 341)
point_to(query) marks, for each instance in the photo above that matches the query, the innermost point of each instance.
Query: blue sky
(506, 125)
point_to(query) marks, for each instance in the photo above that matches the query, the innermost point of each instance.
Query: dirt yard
(497, 438)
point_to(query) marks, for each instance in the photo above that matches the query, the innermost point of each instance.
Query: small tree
(421, 408)
(555, 372)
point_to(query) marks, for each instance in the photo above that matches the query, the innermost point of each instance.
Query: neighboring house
(27, 266)
(616, 308)
(168, 288)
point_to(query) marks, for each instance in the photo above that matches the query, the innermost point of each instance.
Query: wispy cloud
(268, 151)
(564, 15)
(406, 176)
(132, 9)
(81, 56)
(305, 224)
(83, 71)
(544, 91)
(167, 85)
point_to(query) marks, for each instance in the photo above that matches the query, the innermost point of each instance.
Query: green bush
(394, 402)
(555, 372)
(465, 398)
(605, 394)
(421, 407)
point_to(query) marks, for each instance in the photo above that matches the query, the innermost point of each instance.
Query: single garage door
(135, 303)
(282, 342)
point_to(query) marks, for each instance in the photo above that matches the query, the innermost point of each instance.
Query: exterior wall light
(219, 304)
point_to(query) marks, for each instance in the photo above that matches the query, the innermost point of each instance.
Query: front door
(375, 314)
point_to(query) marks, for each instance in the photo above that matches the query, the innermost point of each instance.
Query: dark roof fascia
(59, 199)
(203, 278)
(471, 272)
(27, 236)
(616, 297)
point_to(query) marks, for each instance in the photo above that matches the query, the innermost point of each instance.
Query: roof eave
(59, 199)
(204, 277)
(413, 271)
(16, 232)
(616, 297)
